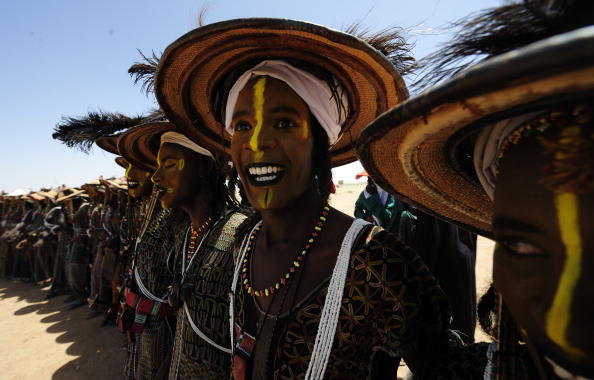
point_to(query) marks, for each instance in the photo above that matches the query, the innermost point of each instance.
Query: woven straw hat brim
(108, 144)
(122, 162)
(37, 196)
(411, 149)
(194, 67)
(75, 193)
(114, 184)
(140, 145)
(50, 194)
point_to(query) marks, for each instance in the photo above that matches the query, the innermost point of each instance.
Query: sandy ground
(39, 339)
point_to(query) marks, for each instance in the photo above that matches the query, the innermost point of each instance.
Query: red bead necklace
(194, 234)
(265, 292)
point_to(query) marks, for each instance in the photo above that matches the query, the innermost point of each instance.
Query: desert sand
(39, 339)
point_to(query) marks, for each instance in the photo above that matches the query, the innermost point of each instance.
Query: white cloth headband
(488, 147)
(314, 92)
(179, 139)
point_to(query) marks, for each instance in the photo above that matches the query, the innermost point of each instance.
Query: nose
(260, 141)
(156, 177)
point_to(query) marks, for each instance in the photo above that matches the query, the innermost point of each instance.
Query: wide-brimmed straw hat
(69, 193)
(140, 145)
(36, 196)
(194, 71)
(51, 194)
(114, 183)
(108, 143)
(421, 150)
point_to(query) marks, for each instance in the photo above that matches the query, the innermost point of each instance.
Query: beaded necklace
(272, 289)
(194, 234)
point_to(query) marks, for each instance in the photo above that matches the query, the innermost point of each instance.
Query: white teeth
(264, 170)
(265, 178)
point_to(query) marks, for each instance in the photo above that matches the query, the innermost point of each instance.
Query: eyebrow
(515, 224)
(285, 109)
(163, 159)
(240, 114)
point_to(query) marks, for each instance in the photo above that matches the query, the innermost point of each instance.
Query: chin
(269, 198)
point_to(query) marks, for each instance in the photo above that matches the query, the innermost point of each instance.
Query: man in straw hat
(60, 218)
(204, 265)
(79, 255)
(147, 317)
(506, 149)
(315, 293)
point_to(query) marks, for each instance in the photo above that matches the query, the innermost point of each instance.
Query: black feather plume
(144, 72)
(81, 132)
(390, 42)
(495, 31)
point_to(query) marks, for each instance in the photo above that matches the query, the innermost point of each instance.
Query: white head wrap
(179, 139)
(487, 149)
(314, 92)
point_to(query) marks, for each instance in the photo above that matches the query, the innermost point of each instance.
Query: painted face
(544, 258)
(177, 175)
(139, 183)
(272, 143)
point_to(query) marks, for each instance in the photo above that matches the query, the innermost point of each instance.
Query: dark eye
(169, 164)
(520, 247)
(285, 123)
(242, 126)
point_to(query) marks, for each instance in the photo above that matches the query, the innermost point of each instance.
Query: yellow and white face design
(544, 257)
(272, 143)
(177, 175)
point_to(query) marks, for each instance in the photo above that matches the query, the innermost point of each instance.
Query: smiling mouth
(265, 173)
(132, 184)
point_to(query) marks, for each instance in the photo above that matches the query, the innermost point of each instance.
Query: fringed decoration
(495, 31)
(81, 132)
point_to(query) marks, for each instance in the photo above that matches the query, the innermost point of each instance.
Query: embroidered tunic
(148, 352)
(206, 297)
(391, 307)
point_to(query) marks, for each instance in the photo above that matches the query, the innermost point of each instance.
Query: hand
(21, 244)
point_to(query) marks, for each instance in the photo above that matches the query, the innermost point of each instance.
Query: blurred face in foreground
(544, 256)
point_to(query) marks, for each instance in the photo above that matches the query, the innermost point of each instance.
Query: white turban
(179, 139)
(315, 93)
(487, 149)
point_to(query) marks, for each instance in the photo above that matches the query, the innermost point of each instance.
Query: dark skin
(272, 127)
(531, 255)
(179, 176)
(139, 182)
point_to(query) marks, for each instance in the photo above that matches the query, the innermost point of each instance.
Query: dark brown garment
(392, 307)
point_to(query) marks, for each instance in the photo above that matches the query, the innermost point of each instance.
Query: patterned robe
(149, 350)
(206, 296)
(392, 307)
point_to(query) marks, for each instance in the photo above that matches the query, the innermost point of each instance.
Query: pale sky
(67, 57)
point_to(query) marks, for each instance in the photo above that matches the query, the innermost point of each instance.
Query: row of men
(281, 285)
(75, 240)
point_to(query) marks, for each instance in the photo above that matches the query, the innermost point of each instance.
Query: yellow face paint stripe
(128, 170)
(259, 88)
(180, 164)
(305, 130)
(559, 315)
